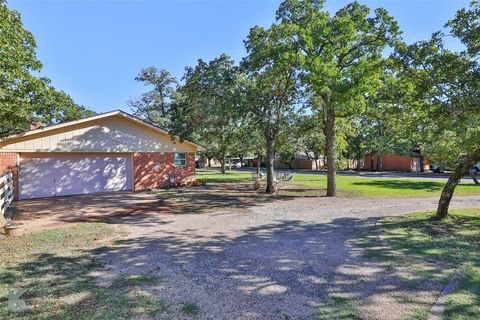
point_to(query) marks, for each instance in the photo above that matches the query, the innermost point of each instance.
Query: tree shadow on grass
(62, 285)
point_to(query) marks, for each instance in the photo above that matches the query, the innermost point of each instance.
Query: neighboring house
(301, 161)
(412, 162)
(113, 151)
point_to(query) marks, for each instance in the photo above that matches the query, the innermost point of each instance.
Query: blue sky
(94, 49)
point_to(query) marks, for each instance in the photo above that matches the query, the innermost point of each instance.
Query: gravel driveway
(280, 260)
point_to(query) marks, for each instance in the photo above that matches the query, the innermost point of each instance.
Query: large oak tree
(341, 57)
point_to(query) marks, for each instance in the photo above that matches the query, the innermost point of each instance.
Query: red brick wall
(8, 161)
(390, 162)
(298, 164)
(151, 169)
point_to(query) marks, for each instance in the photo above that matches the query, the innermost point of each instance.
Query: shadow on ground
(289, 268)
(143, 208)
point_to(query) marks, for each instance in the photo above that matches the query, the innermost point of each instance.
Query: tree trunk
(330, 150)
(316, 163)
(222, 165)
(270, 140)
(240, 157)
(379, 162)
(359, 164)
(258, 163)
(209, 162)
(462, 169)
(372, 162)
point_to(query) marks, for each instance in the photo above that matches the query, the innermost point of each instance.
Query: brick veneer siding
(8, 161)
(390, 162)
(151, 169)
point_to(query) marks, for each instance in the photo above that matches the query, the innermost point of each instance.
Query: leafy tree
(25, 98)
(444, 95)
(271, 86)
(206, 106)
(342, 54)
(154, 105)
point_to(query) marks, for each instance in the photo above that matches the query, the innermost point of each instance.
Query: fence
(6, 191)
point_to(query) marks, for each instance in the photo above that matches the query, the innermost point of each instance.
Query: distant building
(412, 162)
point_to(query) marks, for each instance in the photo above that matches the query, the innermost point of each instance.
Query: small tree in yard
(271, 86)
(342, 55)
(444, 97)
(206, 107)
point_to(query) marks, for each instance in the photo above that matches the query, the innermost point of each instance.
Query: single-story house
(301, 161)
(112, 151)
(412, 162)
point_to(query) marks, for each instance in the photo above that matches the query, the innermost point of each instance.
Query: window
(180, 159)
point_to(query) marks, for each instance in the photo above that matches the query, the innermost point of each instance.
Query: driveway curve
(280, 260)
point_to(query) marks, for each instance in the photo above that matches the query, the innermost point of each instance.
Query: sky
(94, 49)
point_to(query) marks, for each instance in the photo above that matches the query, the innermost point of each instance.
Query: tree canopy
(26, 98)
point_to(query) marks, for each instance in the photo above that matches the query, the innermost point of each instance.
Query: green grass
(352, 186)
(337, 307)
(190, 309)
(56, 266)
(456, 241)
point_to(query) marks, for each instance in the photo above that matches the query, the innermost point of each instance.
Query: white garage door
(76, 174)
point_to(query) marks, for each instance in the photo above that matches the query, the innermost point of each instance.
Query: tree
(444, 95)
(342, 55)
(24, 97)
(154, 105)
(310, 136)
(206, 106)
(271, 86)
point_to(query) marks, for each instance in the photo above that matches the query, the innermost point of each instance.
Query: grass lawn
(456, 241)
(57, 267)
(352, 186)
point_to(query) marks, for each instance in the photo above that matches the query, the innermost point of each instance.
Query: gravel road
(281, 260)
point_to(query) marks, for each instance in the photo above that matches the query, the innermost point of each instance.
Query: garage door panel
(61, 176)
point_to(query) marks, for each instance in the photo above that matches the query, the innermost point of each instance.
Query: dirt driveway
(285, 259)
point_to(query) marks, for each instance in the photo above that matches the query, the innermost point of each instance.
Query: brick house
(113, 151)
(412, 162)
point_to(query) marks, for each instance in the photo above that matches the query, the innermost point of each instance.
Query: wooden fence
(6, 192)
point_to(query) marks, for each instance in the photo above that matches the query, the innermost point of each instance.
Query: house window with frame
(180, 159)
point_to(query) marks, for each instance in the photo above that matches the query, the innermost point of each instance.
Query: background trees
(24, 97)
(206, 108)
(444, 96)
(323, 84)
(154, 105)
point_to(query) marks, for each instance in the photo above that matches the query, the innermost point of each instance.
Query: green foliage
(341, 58)
(24, 97)
(271, 87)
(154, 105)
(444, 89)
(206, 108)
(190, 308)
